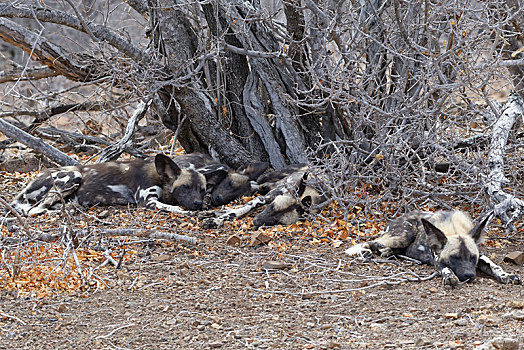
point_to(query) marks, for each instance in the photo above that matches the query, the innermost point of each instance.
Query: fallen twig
(151, 234)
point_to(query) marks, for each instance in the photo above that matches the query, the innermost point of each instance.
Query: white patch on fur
(282, 202)
(421, 248)
(21, 207)
(33, 195)
(289, 218)
(122, 189)
(143, 194)
(64, 179)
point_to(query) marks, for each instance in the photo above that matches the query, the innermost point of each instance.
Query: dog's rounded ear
(166, 168)
(301, 186)
(214, 174)
(307, 201)
(253, 170)
(436, 239)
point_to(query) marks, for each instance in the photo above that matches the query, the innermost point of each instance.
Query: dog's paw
(510, 279)
(449, 278)
(386, 252)
(361, 250)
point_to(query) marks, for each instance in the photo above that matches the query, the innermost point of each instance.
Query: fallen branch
(506, 206)
(37, 144)
(150, 234)
(27, 74)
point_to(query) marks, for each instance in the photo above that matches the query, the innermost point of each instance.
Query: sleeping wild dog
(153, 183)
(288, 197)
(446, 239)
(233, 184)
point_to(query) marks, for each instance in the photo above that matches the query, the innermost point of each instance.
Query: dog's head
(184, 187)
(289, 207)
(236, 183)
(452, 237)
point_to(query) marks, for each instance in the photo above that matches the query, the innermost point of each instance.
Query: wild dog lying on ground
(288, 199)
(270, 180)
(446, 239)
(154, 183)
(232, 185)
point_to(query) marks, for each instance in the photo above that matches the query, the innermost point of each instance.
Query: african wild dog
(232, 185)
(270, 180)
(287, 199)
(446, 239)
(154, 183)
(290, 206)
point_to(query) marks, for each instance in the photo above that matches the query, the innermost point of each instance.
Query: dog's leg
(166, 207)
(490, 268)
(235, 213)
(149, 198)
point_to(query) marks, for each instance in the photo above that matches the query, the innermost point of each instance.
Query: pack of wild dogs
(196, 182)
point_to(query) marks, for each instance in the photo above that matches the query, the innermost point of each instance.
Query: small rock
(276, 265)
(233, 240)
(162, 257)
(486, 307)
(453, 344)
(215, 344)
(515, 257)
(461, 322)
(258, 238)
(433, 290)
(62, 308)
(451, 315)
(489, 320)
(517, 304)
(515, 315)
(421, 342)
(334, 345)
(171, 321)
(500, 344)
(215, 326)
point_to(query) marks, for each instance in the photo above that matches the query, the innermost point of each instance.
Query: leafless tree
(404, 96)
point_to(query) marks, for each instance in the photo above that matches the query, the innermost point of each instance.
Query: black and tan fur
(288, 199)
(154, 183)
(446, 239)
(292, 205)
(232, 185)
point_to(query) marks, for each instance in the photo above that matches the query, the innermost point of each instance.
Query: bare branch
(58, 17)
(36, 144)
(27, 74)
(47, 53)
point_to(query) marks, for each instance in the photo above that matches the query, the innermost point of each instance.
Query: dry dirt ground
(293, 293)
